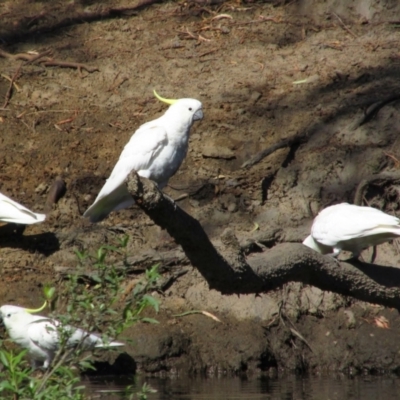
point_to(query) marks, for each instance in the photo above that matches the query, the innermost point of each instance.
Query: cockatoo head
(186, 109)
(14, 315)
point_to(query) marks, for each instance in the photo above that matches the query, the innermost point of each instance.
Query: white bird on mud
(155, 151)
(349, 227)
(11, 211)
(41, 335)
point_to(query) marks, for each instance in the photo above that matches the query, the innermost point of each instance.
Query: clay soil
(264, 72)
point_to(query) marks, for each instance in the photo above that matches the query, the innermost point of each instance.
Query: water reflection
(284, 388)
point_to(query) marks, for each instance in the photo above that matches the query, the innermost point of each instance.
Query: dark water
(285, 388)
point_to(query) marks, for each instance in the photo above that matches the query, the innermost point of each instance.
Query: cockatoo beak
(31, 310)
(198, 115)
(168, 101)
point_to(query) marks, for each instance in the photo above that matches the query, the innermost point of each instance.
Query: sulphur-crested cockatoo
(155, 151)
(353, 228)
(41, 335)
(11, 211)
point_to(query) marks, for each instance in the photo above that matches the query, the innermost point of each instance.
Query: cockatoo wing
(137, 155)
(43, 333)
(46, 333)
(88, 340)
(11, 211)
(345, 222)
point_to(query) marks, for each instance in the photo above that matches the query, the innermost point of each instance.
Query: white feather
(41, 335)
(349, 227)
(11, 211)
(155, 151)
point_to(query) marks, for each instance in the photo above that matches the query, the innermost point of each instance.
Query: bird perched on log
(41, 335)
(349, 227)
(155, 151)
(13, 212)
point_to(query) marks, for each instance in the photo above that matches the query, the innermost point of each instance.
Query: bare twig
(344, 25)
(118, 81)
(68, 64)
(9, 91)
(36, 57)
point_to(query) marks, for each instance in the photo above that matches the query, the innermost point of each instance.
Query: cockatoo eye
(190, 108)
(8, 315)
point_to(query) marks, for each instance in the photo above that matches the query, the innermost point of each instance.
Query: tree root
(46, 61)
(383, 177)
(373, 110)
(288, 142)
(227, 270)
(71, 19)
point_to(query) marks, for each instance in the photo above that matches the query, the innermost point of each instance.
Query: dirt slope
(264, 73)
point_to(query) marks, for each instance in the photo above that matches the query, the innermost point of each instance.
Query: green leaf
(4, 358)
(49, 292)
(149, 320)
(4, 385)
(151, 301)
(96, 278)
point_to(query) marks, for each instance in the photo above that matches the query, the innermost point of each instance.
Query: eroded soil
(264, 73)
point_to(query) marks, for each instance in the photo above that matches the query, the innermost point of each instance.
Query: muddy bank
(264, 73)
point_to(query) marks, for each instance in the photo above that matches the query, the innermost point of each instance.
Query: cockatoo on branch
(11, 211)
(41, 336)
(349, 227)
(155, 151)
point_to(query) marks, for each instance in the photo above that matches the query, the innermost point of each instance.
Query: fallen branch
(288, 142)
(228, 271)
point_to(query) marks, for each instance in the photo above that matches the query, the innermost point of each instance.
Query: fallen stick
(9, 91)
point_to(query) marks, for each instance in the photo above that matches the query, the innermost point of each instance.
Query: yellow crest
(31, 310)
(168, 101)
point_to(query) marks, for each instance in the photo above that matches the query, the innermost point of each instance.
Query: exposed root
(46, 61)
(37, 24)
(288, 142)
(383, 177)
(373, 110)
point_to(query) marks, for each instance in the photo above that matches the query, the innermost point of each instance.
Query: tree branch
(226, 269)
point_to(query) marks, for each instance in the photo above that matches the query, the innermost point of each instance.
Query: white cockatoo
(41, 335)
(155, 151)
(349, 227)
(11, 211)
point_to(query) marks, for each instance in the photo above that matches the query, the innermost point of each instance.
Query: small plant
(145, 390)
(15, 371)
(93, 299)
